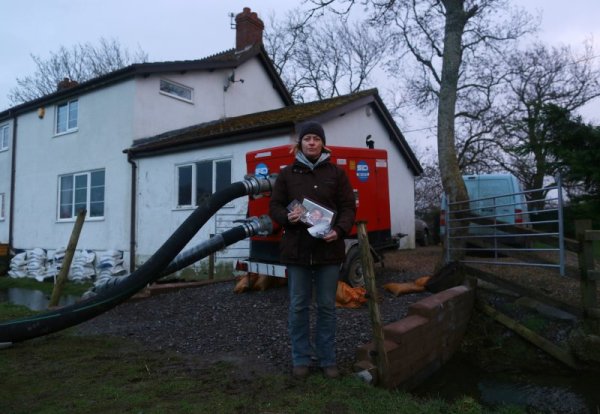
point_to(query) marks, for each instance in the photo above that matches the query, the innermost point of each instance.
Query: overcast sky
(190, 29)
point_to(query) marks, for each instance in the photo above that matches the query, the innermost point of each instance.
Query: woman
(312, 262)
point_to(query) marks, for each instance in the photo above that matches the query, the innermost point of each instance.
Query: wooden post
(381, 357)
(211, 263)
(66, 264)
(586, 265)
(560, 353)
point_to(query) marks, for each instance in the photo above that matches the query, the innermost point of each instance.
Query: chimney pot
(249, 29)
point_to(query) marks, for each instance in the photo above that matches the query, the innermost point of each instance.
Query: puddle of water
(575, 393)
(34, 299)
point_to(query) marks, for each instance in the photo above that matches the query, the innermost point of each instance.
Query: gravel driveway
(214, 323)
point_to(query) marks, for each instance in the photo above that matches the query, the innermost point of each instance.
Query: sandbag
(245, 283)
(263, 282)
(398, 289)
(347, 296)
(422, 281)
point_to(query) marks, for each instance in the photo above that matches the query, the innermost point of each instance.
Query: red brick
(406, 329)
(363, 352)
(431, 307)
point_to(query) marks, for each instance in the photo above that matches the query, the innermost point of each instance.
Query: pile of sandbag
(31, 264)
(82, 267)
(18, 266)
(36, 264)
(109, 265)
(85, 266)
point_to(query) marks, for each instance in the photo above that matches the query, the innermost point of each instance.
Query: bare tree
(541, 76)
(325, 59)
(79, 63)
(448, 38)
(428, 187)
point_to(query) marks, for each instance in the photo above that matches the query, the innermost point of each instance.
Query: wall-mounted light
(41, 112)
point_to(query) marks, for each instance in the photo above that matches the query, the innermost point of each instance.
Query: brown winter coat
(329, 186)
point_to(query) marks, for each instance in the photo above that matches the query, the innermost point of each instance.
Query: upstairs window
(198, 181)
(4, 137)
(176, 90)
(66, 116)
(81, 191)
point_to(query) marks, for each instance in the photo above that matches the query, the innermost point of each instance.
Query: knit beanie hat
(311, 127)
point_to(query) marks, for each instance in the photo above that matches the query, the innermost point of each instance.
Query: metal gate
(485, 236)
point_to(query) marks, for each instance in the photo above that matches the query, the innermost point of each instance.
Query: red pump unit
(367, 170)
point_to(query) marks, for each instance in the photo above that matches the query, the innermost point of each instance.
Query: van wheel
(352, 272)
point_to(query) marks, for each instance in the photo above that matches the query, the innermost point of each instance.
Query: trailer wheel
(352, 272)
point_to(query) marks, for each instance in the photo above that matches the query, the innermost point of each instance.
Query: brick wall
(419, 344)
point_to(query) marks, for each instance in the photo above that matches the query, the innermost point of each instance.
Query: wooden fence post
(586, 265)
(66, 264)
(381, 357)
(211, 263)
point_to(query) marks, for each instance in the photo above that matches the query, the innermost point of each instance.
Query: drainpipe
(13, 169)
(132, 229)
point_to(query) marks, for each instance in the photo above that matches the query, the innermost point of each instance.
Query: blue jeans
(301, 280)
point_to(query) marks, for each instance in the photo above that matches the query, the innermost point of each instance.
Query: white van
(492, 195)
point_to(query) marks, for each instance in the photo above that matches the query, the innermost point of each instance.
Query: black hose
(251, 227)
(56, 320)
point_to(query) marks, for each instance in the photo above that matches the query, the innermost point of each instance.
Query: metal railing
(491, 230)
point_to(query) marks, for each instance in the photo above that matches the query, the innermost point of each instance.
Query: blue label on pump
(362, 171)
(261, 170)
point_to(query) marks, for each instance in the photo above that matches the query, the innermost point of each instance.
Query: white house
(132, 147)
(168, 166)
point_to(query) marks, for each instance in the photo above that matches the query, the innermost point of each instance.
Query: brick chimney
(66, 83)
(249, 29)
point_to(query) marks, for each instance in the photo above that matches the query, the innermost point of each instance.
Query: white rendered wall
(5, 167)
(157, 215)
(104, 130)
(156, 113)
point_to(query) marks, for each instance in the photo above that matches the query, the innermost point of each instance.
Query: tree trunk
(456, 18)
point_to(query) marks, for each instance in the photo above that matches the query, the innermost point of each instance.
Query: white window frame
(2, 200)
(172, 92)
(4, 137)
(71, 193)
(71, 124)
(193, 165)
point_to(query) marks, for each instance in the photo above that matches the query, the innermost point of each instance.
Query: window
(176, 90)
(198, 181)
(81, 191)
(4, 137)
(66, 117)
(2, 206)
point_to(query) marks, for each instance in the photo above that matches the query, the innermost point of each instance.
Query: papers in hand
(317, 217)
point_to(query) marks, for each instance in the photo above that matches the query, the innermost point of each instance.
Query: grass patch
(63, 372)
(9, 311)
(69, 288)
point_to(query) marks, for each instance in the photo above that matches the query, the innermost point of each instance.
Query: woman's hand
(294, 216)
(331, 236)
